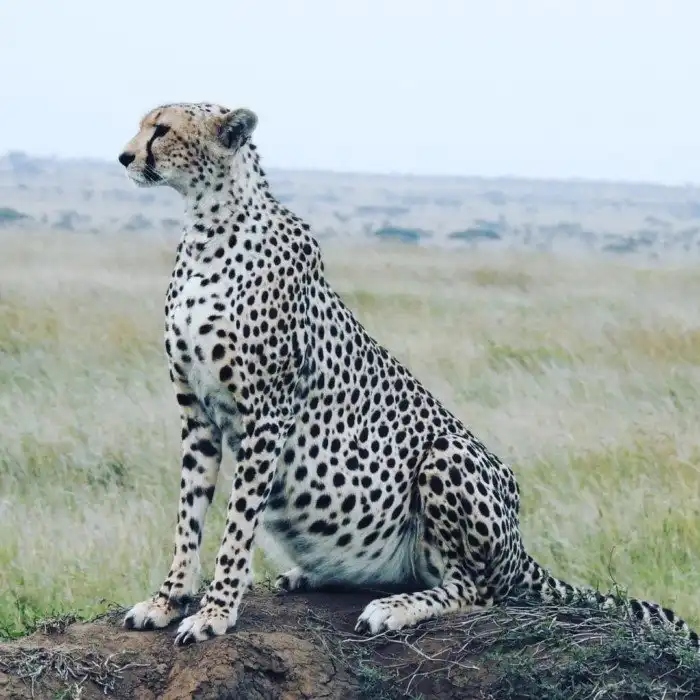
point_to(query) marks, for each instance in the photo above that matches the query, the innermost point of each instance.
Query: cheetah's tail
(537, 580)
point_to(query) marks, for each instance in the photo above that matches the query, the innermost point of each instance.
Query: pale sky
(539, 88)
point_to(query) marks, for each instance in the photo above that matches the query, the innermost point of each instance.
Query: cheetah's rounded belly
(337, 531)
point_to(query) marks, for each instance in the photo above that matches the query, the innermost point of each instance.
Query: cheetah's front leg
(201, 459)
(256, 462)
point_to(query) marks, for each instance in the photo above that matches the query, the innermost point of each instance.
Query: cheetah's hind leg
(451, 556)
(408, 609)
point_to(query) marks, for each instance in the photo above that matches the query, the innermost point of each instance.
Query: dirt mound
(303, 646)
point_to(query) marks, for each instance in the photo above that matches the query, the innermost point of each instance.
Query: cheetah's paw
(293, 580)
(154, 613)
(206, 623)
(383, 615)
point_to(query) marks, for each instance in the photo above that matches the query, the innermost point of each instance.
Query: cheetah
(360, 474)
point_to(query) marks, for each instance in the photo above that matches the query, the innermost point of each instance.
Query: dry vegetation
(584, 375)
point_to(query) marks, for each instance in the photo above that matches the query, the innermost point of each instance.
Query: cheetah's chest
(198, 352)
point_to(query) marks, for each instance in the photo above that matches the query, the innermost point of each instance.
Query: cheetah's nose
(126, 159)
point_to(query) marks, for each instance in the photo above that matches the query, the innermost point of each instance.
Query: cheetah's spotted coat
(359, 471)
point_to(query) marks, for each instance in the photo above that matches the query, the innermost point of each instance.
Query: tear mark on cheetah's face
(180, 145)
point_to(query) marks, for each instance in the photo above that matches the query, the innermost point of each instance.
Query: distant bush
(137, 222)
(495, 197)
(404, 235)
(623, 245)
(71, 221)
(448, 202)
(23, 164)
(475, 234)
(629, 244)
(169, 223)
(387, 211)
(10, 216)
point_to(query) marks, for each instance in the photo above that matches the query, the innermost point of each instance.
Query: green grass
(583, 375)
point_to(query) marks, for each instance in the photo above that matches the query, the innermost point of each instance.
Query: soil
(303, 647)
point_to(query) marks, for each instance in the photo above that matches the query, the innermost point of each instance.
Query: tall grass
(584, 375)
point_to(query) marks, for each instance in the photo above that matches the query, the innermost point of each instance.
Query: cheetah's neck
(236, 200)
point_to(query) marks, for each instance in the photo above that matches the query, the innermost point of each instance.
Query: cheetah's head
(184, 145)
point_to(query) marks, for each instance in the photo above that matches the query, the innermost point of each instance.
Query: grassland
(584, 375)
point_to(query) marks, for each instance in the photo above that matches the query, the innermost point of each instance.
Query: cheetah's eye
(160, 130)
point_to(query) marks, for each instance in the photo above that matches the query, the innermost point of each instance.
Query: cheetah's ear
(235, 128)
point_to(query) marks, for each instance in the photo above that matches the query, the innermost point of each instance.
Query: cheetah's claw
(156, 613)
(381, 616)
(292, 580)
(204, 624)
